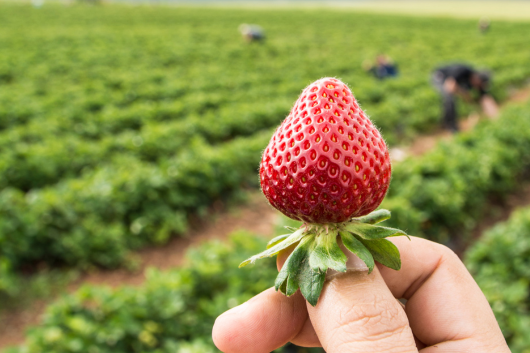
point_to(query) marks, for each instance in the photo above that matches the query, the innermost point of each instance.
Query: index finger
(262, 324)
(445, 304)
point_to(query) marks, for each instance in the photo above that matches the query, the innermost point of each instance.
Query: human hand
(357, 312)
(489, 106)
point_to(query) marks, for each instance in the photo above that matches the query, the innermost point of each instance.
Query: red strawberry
(327, 165)
(327, 162)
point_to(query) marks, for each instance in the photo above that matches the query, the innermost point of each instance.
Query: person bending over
(460, 79)
(252, 33)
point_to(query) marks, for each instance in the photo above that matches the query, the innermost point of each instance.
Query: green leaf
(384, 252)
(297, 273)
(293, 238)
(289, 275)
(294, 267)
(283, 287)
(370, 232)
(326, 253)
(356, 247)
(374, 217)
(312, 283)
(277, 240)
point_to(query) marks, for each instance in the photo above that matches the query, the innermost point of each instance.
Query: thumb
(357, 312)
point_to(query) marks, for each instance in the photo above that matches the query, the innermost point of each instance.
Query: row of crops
(117, 123)
(174, 311)
(171, 312)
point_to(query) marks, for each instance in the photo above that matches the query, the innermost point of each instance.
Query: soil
(256, 216)
(426, 142)
(520, 95)
(502, 211)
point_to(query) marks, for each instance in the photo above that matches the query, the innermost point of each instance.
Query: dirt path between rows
(255, 216)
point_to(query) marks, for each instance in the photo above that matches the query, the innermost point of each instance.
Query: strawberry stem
(318, 250)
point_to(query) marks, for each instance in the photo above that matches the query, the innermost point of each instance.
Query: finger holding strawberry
(328, 166)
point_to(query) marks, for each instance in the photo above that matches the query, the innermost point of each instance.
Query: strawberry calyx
(318, 250)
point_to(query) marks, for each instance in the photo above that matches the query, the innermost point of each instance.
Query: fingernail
(355, 263)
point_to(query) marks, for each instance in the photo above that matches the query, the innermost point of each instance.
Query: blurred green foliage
(500, 263)
(446, 192)
(95, 218)
(173, 311)
(117, 123)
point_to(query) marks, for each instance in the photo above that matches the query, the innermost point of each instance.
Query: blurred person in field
(252, 33)
(461, 80)
(37, 3)
(484, 25)
(383, 68)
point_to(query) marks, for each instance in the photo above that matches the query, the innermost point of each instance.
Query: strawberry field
(157, 316)
(119, 125)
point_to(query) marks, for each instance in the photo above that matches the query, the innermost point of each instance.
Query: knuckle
(446, 254)
(377, 321)
(450, 262)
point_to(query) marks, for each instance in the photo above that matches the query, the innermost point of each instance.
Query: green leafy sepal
(318, 250)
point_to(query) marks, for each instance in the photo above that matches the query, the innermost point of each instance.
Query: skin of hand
(489, 106)
(358, 312)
